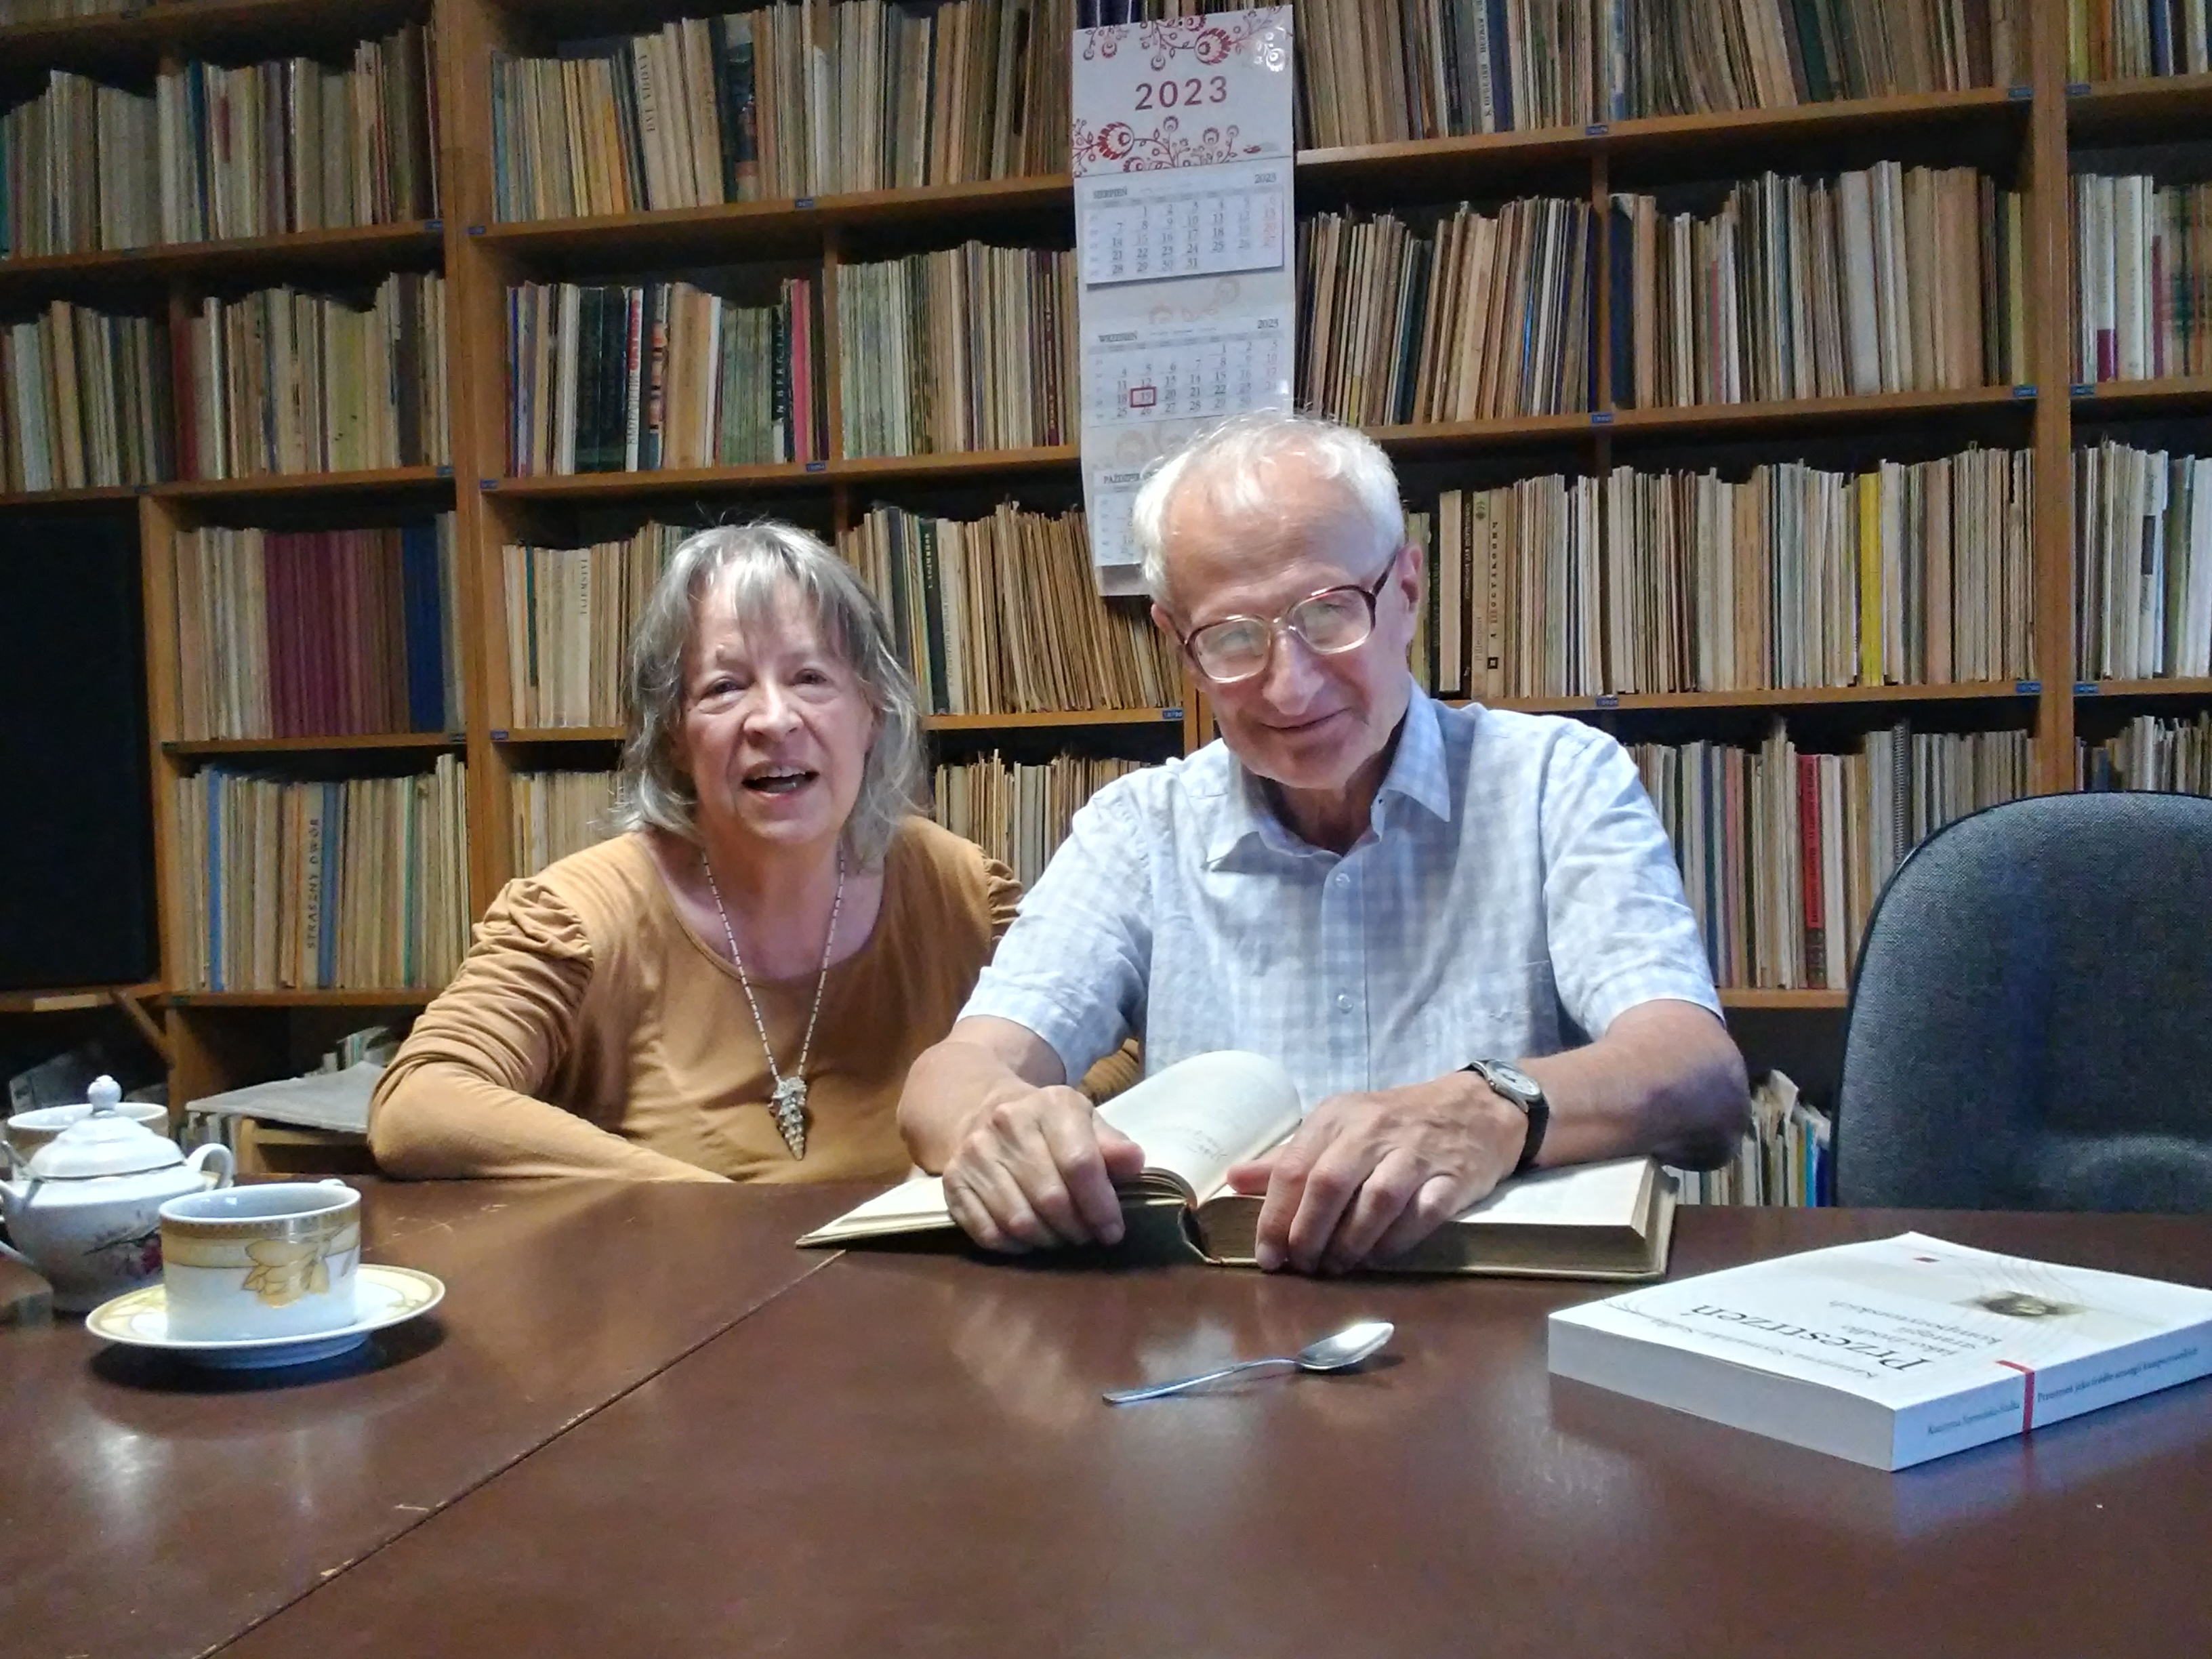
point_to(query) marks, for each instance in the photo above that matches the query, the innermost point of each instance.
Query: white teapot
(86, 1212)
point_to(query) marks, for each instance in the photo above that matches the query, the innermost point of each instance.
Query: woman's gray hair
(753, 566)
(1226, 462)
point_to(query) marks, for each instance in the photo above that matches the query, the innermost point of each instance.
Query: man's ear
(1415, 577)
(1164, 622)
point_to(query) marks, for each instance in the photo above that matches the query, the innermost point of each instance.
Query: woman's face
(775, 730)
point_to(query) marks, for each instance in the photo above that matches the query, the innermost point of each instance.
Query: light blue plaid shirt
(1514, 890)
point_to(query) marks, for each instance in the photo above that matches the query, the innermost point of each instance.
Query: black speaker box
(77, 828)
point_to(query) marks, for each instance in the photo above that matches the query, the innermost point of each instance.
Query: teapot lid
(105, 1142)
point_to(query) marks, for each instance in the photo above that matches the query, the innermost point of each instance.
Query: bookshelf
(2024, 133)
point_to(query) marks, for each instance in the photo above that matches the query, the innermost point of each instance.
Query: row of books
(2121, 39)
(1783, 854)
(360, 884)
(1484, 316)
(2142, 266)
(660, 374)
(300, 145)
(1639, 581)
(1892, 279)
(1018, 813)
(284, 381)
(786, 100)
(1787, 1156)
(47, 11)
(2142, 563)
(318, 632)
(553, 814)
(1001, 616)
(569, 614)
(2151, 751)
(84, 400)
(213, 152)
(973, 348)
(1374, 71)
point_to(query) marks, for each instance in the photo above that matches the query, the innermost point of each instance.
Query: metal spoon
(1331, 1353)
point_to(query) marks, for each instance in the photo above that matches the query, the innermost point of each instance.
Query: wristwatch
(1524, 1092)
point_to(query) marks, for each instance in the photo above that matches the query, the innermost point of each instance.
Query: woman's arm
(457, 1100)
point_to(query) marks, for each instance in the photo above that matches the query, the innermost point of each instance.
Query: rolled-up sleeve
(1075, 965)
(1620, 930)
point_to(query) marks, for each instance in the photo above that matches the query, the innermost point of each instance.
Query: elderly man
(1459, 929)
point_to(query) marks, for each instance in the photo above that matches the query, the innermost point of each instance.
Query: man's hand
(1035, 1169)
(1370, 1174)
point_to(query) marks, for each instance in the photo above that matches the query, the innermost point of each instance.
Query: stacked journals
(660, 374)
(569, 613)
(557, 813)
(973, 348)
(1019, 814)
(298, 145)
(2139, 267)
(1484, 316)
(1370, 71)
(2114, 39)
(2142, 563)
(1783, 854)
(1657, 582)
(318, 633)
(2152, 753)
(73, 170)
(999, 616)
(42, 11)
(360, 884)
(786, 100)
(282, 381)
(1895, 279)
(82, 397)
(1785, 1156)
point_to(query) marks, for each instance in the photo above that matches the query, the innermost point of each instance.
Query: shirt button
(1343, 878)
(1344, 1001)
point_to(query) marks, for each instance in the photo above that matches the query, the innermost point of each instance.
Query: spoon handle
(1153, 1391)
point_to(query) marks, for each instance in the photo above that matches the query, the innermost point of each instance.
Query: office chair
(2031, 1018)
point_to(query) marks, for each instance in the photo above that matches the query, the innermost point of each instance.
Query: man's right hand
(1035, 1169)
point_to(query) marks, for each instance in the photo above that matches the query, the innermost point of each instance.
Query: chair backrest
(2031, 1019)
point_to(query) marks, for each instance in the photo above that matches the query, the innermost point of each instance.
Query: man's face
(1308, 721)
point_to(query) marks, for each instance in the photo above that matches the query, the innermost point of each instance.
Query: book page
(1198, 1117)
(1582, 1195)
(916, 1204)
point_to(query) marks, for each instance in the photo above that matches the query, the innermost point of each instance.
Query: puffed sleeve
(459, 1098)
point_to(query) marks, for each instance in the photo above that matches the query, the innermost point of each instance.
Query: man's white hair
(1224, 461)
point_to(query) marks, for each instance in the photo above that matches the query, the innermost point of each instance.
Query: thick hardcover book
(1194, 1121)
(1893, 1351)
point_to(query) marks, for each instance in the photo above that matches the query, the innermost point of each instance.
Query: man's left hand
(1370, 1174)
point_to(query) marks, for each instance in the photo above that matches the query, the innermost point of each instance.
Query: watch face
(1511, 1079)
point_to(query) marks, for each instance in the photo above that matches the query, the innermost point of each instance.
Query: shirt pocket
(1498, 1010)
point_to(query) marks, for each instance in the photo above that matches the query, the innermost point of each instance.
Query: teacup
(275, 1260)
(29, 1131)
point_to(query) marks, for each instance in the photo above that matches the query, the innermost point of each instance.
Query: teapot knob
(105, 1094)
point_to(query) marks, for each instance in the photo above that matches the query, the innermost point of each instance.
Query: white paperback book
(1893, 1352)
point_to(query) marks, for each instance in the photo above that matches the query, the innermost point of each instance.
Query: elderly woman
(734, 987)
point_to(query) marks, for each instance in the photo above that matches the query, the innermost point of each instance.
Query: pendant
(788, 1103)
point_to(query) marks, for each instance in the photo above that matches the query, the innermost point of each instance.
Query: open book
(1196, 1118)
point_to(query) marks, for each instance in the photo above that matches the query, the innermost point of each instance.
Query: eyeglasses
(1332, 622)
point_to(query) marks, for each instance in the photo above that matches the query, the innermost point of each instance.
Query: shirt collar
(1417, 773)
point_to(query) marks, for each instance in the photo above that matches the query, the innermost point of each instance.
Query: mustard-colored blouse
(591, 1032)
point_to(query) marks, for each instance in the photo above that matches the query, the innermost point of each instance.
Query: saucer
(382, 1296)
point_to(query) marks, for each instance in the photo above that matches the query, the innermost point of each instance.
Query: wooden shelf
(277, 485)
(72, 999)
(2101, 690)
(2117, 110)
(1735, 421)
(1652, 140)
(397, 997)
(137, 37)
(2176, 395)
(372, 743)
(787, 475)
(786, 229)
(1744, 997)
(1785, 697)
(1068, 717)
(523, 736)
(362, 250)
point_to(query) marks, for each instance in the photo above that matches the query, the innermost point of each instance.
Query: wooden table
(907, 1455)
(147, 1508)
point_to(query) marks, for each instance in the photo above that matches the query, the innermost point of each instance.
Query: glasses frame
(1370, 592)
